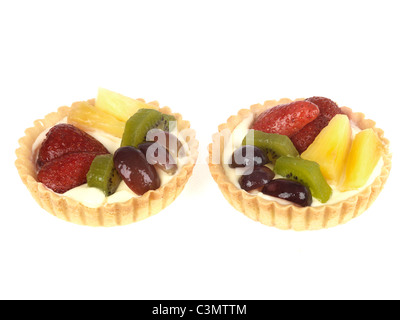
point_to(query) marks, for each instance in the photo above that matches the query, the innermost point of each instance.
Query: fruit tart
(305, 164)
(107, 161)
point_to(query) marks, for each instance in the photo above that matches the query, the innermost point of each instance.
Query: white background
(206, 60)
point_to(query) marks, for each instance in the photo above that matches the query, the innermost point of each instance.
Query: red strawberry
(327, 107)
(65, 138)
(66, 172)
(286, 119)
(304, 137)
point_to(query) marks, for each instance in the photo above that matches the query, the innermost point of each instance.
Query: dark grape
(167, 140)
(138, 174)
(158, 156)
(256, 178)
(289, 190)
(248, 156)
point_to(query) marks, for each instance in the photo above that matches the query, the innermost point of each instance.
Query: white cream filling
(93, 197)
(235, 141)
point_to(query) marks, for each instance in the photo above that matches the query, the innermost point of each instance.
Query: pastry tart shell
(272, 213)
(115, 214)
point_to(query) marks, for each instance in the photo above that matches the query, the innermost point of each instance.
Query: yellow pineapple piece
(364, 155)
(330, 148)
(119, 106)
(88, 117)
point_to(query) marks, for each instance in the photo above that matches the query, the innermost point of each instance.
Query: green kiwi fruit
(306, 172)
(168, 122)
(275, 145)
(103, 175)
(141, 122)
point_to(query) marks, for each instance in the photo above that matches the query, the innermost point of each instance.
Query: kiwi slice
(275, 145)
(141, 122)
(168, 122)
(103, 175)
(306, 172)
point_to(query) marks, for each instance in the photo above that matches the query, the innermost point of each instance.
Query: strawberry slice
(65, 138)
(327, 107)
(305, 136)
(286, 119)
(66, 172)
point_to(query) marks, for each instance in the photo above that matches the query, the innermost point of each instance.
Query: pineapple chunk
(118, 105)
(364, 155)
(330, 148)
(88, 117)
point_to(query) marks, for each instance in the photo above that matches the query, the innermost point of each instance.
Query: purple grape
(256, 178)
(159, 156)
(138, 174)
(248, 156)
(167, 140)
(289, 190)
